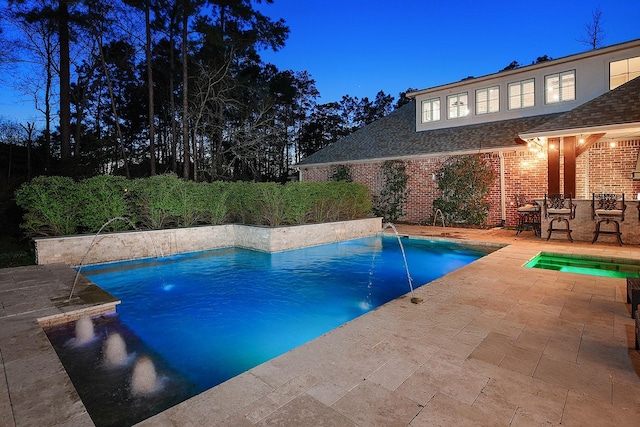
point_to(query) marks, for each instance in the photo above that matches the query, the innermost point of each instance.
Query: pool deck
(490, 344)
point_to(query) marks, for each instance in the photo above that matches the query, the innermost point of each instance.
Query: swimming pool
(594, 266)
(208, 316)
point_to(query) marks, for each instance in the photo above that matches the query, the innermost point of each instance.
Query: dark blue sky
(359, 47)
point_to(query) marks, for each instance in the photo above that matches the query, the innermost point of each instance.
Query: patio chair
(608, 208)
(557, 207)
(528, 215)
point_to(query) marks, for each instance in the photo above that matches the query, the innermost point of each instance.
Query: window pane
(622, 71)
(481, 101)
(463, 105)
(431, 110)
(618, 67)
(568, 85)
(528, 93)
(617, 81)
(568, 92)
(634, 65)
(514, 96)
(552, 92)
(453, 107)
(457, 105)
(494, 99)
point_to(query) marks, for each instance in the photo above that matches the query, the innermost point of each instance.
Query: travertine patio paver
(490, 344)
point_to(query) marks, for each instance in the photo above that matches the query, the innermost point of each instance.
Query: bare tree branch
(595, 33)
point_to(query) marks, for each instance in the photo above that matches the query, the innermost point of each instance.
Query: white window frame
(488, 100)
(458, 105)
(630, 69)
(518, 100)
(560, 87)
(431, 110)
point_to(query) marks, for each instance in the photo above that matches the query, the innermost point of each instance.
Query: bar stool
(608, 208)
(528, 215)
(559, 208)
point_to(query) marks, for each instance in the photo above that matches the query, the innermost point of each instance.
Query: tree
(41, 44)
(464, 183)
(512, 66)
(392, 191)
(595, 33)
(65, 79)
(402, 98)
(145, 6)
(372, 111)
(324, 126)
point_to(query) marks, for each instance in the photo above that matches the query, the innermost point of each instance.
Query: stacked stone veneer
(91, 249)
(602, 168)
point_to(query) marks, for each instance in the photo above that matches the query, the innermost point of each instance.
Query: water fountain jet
(75, 280)
(84, 330)
(144, 380)
(115, 351)
(414, 299)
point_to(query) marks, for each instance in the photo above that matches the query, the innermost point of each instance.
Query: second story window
(488, 100)
(431, 110)
(560, 87)
(622, 71)
(521, 94)
(457, 105)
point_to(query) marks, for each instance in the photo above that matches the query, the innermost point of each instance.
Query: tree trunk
(152, 148)
(29, 128)
(65, 99)
(47, 118)
(185, 92)
(172, 106)
(114, 110)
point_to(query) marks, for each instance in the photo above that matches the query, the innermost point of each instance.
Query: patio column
(553, 165)
(569, 154)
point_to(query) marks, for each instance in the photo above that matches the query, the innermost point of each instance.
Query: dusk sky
(359, 47)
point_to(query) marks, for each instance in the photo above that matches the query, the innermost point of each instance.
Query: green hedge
(55, 206)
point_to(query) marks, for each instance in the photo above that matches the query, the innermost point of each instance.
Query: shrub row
(55, 206)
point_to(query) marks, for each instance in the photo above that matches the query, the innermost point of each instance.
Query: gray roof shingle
(395, 136)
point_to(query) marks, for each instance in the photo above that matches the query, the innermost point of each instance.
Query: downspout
(503, 191)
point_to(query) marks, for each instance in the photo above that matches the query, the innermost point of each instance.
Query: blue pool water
(212, 315)
(218, 313)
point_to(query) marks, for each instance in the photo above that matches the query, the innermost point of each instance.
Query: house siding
(601, 169)
(591, 79)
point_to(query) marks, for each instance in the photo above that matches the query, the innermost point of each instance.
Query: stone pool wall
(109, 247)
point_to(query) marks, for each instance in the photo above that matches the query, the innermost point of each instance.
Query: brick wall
(602, 168)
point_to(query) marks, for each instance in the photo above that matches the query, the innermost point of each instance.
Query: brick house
(567, 125)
